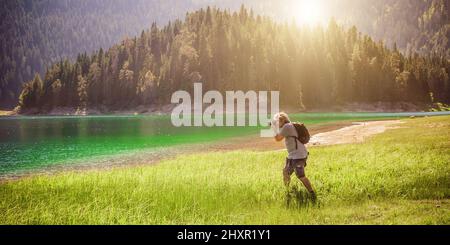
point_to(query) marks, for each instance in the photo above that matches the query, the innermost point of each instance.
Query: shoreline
(151, 157)
(9, 114)
(375, 107)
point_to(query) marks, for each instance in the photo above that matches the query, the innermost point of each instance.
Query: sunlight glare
(309, 12)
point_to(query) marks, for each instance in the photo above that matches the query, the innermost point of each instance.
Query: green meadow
(401, 176)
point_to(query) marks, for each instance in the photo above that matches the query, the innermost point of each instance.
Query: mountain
(39, 33)
(421, 26)
(311, 67)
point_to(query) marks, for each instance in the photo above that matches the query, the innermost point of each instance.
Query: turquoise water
(28, 143)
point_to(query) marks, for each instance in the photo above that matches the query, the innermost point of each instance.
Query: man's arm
(279, 137)
(281, 134)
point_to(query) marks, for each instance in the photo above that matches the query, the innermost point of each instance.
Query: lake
(32, 143)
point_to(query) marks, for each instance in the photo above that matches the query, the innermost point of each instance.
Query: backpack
(302, 132)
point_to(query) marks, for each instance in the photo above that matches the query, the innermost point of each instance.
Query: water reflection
(26, 143)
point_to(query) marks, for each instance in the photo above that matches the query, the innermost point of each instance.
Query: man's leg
(287, 172)
(300, 172)
(307, 184)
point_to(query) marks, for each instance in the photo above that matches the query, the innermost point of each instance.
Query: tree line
(311, 67)
(35, 34)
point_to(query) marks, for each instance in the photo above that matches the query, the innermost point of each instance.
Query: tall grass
(399, 177)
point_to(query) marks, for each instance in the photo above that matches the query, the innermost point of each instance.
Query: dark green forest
(311, 67)
(37, 34)
(421, 26)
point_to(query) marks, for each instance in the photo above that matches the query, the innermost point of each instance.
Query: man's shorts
(295, 165)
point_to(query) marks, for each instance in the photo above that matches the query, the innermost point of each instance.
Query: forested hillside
(414, 25)
(241, 51)
(38, 33)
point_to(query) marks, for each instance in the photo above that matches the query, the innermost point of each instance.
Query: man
(297, 153)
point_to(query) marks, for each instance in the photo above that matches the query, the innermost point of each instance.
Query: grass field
(399, 177)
